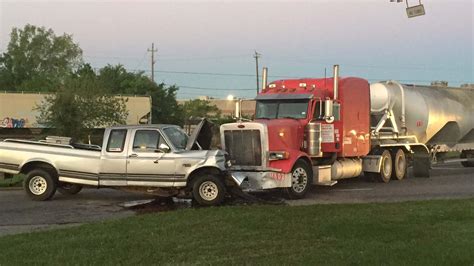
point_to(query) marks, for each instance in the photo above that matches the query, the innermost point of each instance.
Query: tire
(421, 165)
(301, 180)
(399, 164)
(465, 155)
(39, 185)
(69, 189)
(386, 167)
(208, 190)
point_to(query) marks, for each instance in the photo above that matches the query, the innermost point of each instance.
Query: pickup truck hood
(202, 135)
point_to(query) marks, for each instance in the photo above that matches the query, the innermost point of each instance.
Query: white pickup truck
(155, 159)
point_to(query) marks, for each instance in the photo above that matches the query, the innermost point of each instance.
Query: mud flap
(421, 165)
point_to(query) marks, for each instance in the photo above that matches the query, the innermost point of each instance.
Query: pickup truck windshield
(296, 109)
(178, 138)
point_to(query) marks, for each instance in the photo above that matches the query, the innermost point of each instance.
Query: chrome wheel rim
(38, 185)
(208, 191)
(299, 179)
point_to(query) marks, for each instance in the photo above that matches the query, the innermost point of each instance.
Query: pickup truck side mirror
(163, 148)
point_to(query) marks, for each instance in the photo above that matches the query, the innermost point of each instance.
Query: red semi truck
(318, 131)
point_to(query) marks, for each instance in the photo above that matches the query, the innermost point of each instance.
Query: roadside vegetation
(16, 181)
(414, 233)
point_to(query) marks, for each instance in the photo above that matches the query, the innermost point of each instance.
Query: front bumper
(261, 180)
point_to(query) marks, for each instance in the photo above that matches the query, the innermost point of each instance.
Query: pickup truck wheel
(39, 185)
(301, 180)
(208, 190)
(69, 189)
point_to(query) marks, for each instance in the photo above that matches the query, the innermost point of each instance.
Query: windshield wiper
(267, 118)
(289, 117)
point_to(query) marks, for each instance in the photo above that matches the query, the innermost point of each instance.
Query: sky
(207, 47)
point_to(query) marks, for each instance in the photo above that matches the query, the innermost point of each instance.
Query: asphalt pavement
(18, 214)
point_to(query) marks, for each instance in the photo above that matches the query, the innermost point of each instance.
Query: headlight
(278, 155)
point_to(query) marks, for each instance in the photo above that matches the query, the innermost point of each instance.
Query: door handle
(156, 161)
(133, 155)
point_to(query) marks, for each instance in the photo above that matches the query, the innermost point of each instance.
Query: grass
(415, 233)
(15, 181)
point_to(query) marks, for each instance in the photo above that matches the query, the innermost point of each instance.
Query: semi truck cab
(318, 131)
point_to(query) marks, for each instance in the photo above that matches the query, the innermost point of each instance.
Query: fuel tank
(436, 115)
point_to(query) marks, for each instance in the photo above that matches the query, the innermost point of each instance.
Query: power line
(206, 88)
(276, 76)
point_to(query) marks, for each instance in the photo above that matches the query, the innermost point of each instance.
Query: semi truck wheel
(386, 167)
(465, 155)
(69, 189)
(208, 190)
(399, 164)
(301, 180)
(39, 185)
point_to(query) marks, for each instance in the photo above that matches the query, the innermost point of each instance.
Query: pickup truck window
(116, 140)
(147, 141)
(177, 137)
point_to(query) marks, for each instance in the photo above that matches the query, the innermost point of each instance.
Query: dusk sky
(369, 39)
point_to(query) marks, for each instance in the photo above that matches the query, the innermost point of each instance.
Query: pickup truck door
(147, 164)
(114, 159)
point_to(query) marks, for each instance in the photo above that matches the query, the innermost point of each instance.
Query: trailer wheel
(39, 185)
(208, 190)
(69, 189)
(301, 180)
(465, 155)
(386, 167)
(399, 165)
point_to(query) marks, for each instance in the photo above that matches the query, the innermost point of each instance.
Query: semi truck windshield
(296, 109)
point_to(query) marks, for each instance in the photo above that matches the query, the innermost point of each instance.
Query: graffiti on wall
(10, 122)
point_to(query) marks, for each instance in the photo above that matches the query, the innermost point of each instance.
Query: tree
(82, 104)
(199, 109)
(38, 60)
(165, 108)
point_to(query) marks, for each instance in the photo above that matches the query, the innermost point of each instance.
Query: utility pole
(256, 56)
(152, 50)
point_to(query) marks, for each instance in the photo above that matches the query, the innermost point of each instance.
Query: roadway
(19, 214)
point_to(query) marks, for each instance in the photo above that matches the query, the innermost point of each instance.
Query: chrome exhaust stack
(264, 78)
(336, 81)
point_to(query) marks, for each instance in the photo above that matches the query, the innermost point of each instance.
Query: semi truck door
(149, 161)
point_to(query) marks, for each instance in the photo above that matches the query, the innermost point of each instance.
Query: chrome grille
(244, 147)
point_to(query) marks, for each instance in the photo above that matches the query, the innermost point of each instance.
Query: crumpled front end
(256, 181)
(247, 146)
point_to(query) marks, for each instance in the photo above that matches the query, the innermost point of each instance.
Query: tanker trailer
(426, 120)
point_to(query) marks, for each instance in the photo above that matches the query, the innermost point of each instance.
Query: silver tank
(437, 115)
